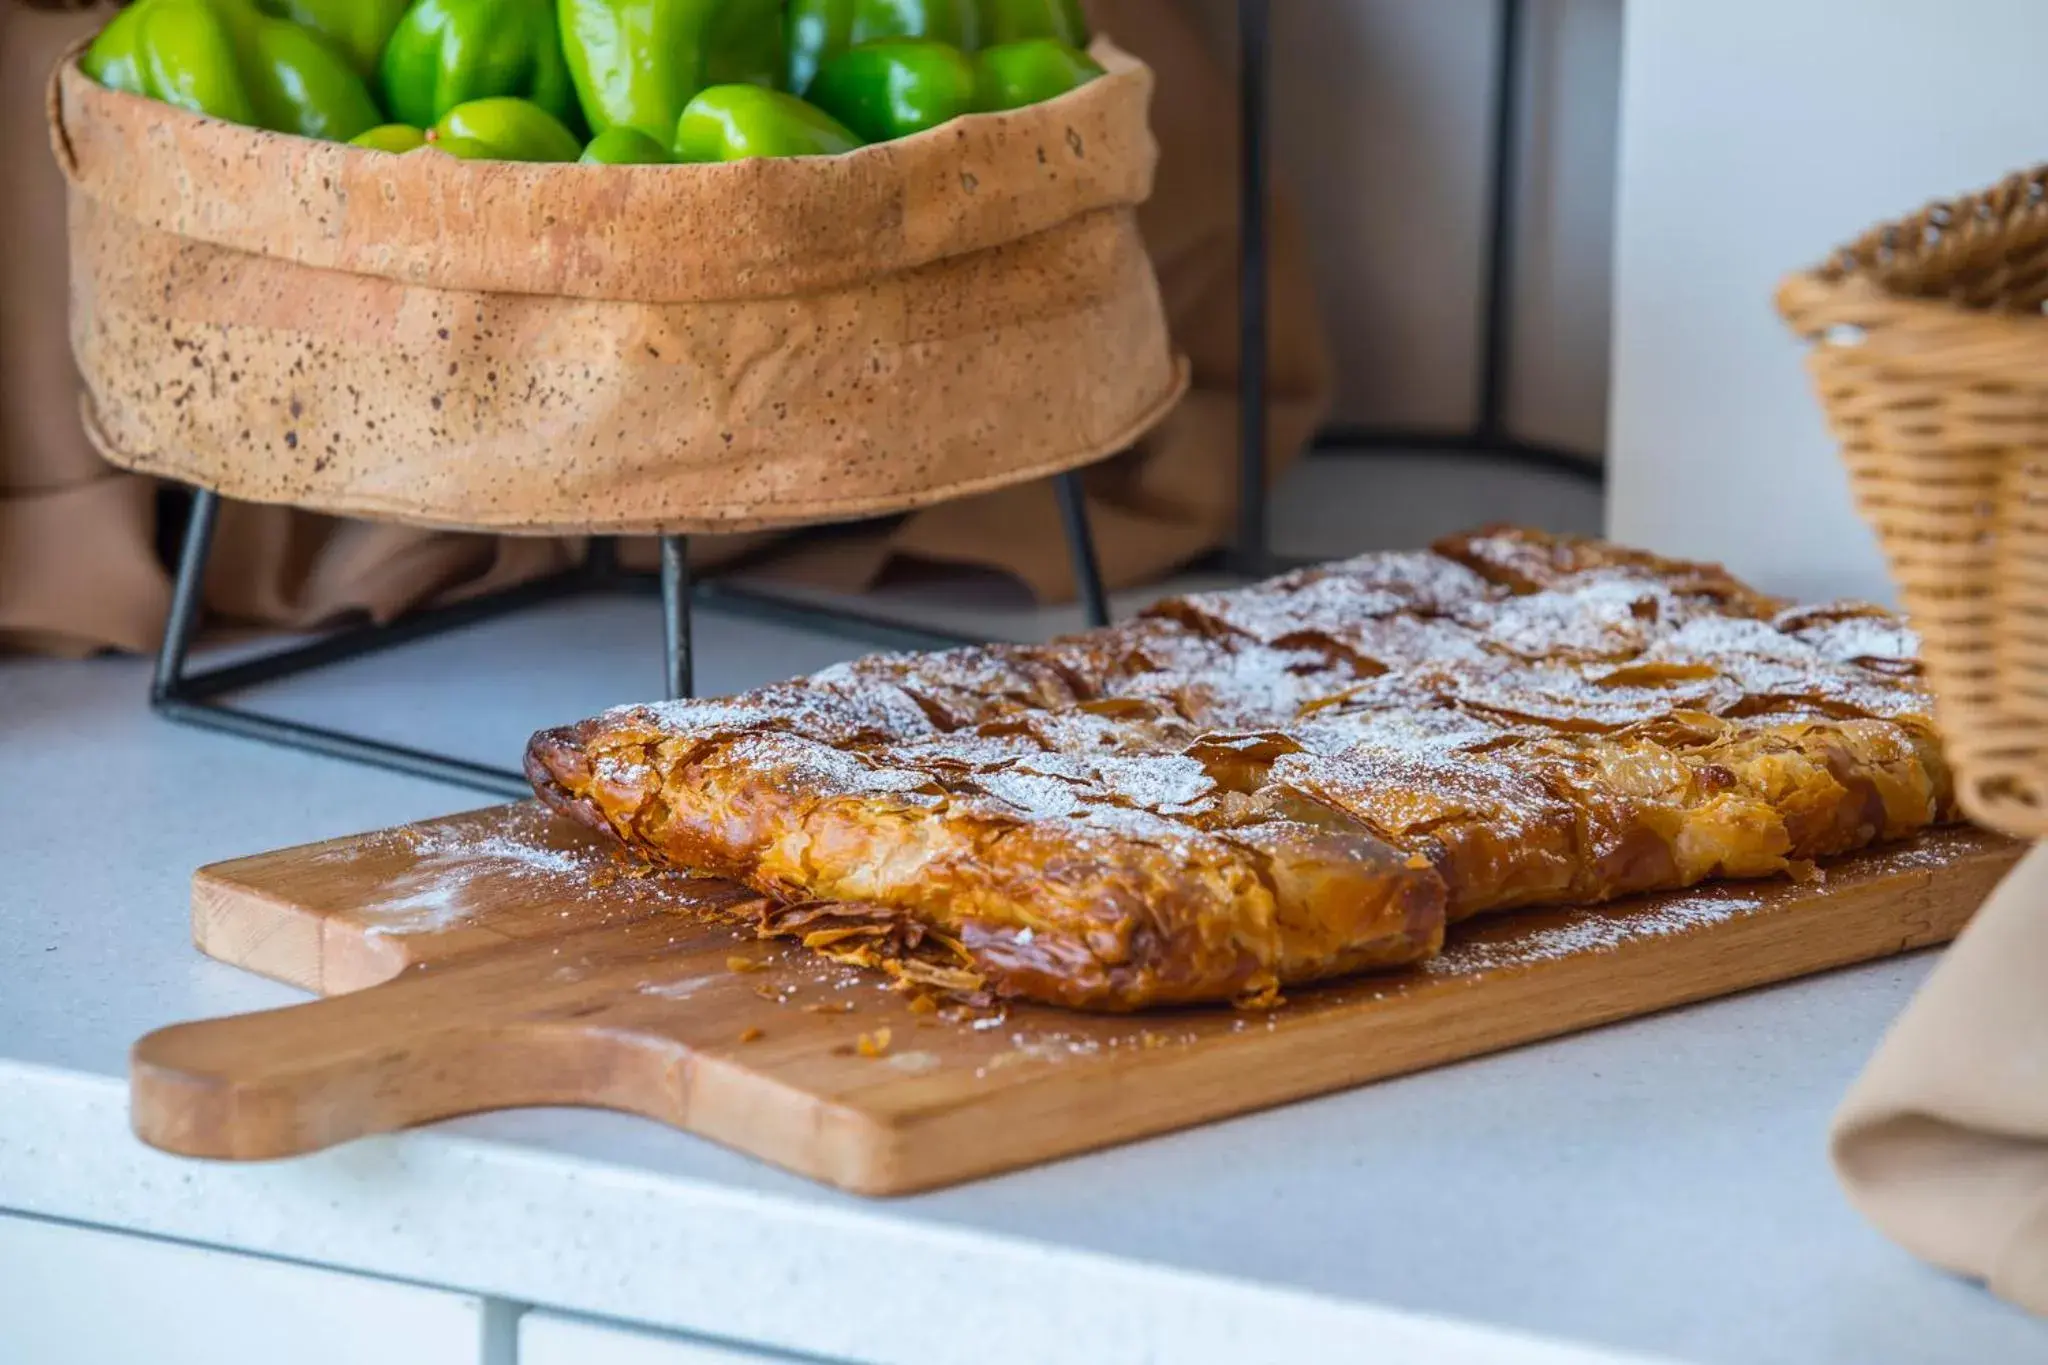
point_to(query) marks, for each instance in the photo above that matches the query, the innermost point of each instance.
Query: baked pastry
(1308, 777)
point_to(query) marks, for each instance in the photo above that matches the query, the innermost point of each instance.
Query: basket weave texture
(1930, 354)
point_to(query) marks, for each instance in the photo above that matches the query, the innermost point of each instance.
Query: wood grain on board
(502, 958)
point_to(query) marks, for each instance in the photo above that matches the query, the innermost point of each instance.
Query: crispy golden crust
(1063, 869)
(1304, 778)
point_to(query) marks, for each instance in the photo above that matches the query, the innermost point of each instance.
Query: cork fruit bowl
(1930, 354)
(546, 348)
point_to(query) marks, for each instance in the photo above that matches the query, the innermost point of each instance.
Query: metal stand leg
(188, 697)
(187, 593)
(1504, 184)
(675, 616)
(179, 694)
(1251, 555)
(1489, 436)
(1081, 545)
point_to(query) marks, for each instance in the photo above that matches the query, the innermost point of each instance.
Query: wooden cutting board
(503, 958)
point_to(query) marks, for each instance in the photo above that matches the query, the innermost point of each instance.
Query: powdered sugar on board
(1521, 938)
(521, 838)
(423, 905)
(681, 988)
(449, 873)
(1572, 933)
(452, 864)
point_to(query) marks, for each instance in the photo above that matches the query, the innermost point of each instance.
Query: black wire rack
(1251, 551)
(179, 693)
(200, 698)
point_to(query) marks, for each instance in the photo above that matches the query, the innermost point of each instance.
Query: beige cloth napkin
(1943, 1141)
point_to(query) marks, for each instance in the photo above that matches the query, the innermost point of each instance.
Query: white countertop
(1654, 1189)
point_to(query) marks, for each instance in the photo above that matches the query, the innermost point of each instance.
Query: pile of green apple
(600, 81)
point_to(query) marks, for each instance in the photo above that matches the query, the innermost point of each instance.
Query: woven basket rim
(1930, 337)
(1891, 292)
(2015, 205)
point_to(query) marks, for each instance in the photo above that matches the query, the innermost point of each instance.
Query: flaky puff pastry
(1301, 779)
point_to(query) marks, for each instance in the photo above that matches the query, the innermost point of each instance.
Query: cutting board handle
(434, 1043)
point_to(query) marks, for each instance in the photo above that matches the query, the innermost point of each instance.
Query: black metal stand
(1252, 554)
(178, 694)
(1081, 544)
(1489, 436)
(675, 616)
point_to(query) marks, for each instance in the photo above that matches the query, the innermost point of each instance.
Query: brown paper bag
(539, 348)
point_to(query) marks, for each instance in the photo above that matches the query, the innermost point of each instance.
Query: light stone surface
(1654, 1190)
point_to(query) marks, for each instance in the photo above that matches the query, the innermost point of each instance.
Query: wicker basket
(1930, 353)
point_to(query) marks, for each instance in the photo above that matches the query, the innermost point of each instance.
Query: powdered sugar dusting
(1595, 930)
(459, 869)
(1520, 718)
(507, 852)
(681, 989)
(414, 908)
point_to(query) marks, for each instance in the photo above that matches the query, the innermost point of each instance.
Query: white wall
(1756, 136)
(1381, 123)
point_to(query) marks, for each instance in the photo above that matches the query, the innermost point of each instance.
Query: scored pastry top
(1311, 776)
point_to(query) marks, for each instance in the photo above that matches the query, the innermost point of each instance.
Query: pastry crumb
(873, 1044)
(752, 1035)
(746, 965)
(1266, 997)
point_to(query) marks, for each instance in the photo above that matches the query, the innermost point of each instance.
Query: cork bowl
(545, 348)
